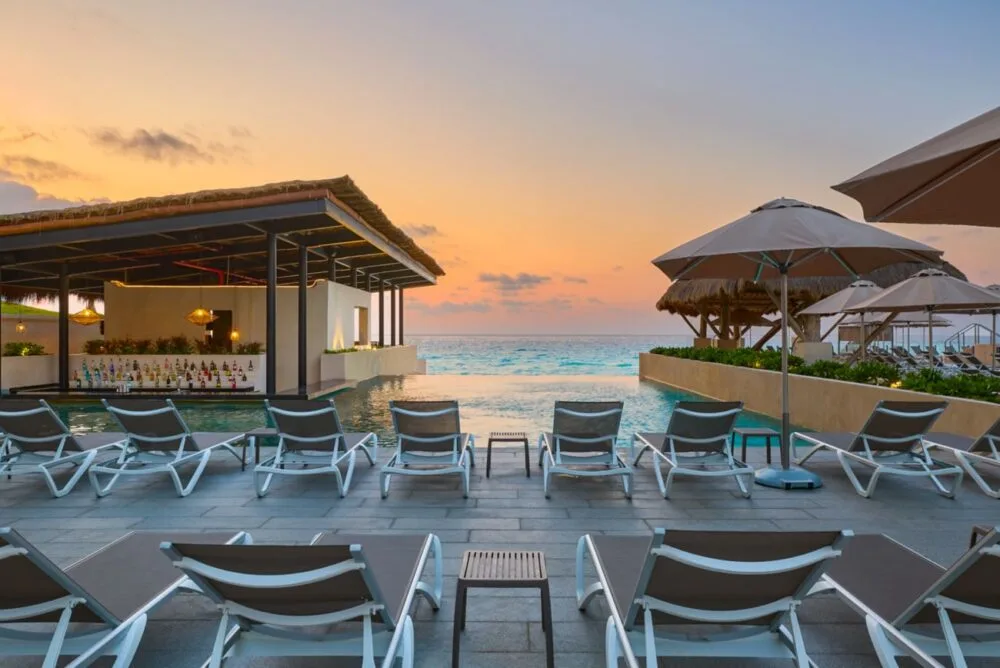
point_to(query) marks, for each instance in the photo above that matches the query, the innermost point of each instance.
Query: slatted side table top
(501, 568)
(507, 437)
(512, 436)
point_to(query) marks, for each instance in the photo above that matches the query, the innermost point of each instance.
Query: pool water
(488, 403)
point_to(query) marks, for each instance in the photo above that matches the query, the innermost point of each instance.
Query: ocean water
(538, 355)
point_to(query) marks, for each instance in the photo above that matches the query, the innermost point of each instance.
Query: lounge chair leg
(799, 645)
(81, 470)
(976, 476)
(865, 491)
(642, 451)
(407, 642)
(546, 474)
(100, 491)
(611, 644)
(383, 483)
(130, 643)
(950, 638)
(884, 649)
(184, 490)
(433, 596)
(584, 594)
(344, 482)
(809, 454)
(58, 636)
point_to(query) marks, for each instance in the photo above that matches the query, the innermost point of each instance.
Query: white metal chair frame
(313, 463)
(118, 638)
(968, 461)
(892, 639)
(554, 460)
(683, 464)
(244, 631)
(138, 461)
(17, 461)
(460, 459)
(780, 639)
(912, 463)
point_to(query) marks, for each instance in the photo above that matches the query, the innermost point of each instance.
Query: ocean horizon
(539, 354)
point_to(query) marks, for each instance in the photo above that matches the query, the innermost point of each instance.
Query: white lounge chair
(33, 440)
(971, 452)
(908, 600)
(583, 443)
(340, 596)
(428, 435)
(727, 594)
(159, 441)
(890, 443)
(310, 436)
(699, 434)
(96, 607)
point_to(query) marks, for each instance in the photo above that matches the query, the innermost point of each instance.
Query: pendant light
(200, 316)
(87, 316)
(20, 327)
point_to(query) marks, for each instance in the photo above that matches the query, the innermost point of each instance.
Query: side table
(493, 569)
(757, 432)
(507, 437)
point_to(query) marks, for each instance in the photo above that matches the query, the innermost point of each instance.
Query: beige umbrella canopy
(856, 292)
(950, 179)
(901, 321)
(931, 290)
(784, 238)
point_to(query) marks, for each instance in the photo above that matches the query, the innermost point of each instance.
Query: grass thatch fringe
(341, 190)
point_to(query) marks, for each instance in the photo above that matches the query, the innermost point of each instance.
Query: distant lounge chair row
(731, 594)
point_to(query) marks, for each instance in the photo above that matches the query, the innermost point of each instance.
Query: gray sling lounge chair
(699, 433)
(429, 435)
(902, 593)
(34, 440)
(310, 435)
(584, 434)
(971, 451)
(891, 442)
(159, 441)
(732, 594)
(340, 596)
(105, 596)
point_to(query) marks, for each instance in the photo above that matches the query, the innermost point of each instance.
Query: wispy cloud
(19, 198)
(514, 284)
(28, 168)
(162, 146)
(574, 279)
(240, 132)
(617, 268)
(449, 307)
(594, 300)
(523, 305)
(421, 231)
(19, 135)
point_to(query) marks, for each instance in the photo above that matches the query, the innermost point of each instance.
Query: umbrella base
(793, 478)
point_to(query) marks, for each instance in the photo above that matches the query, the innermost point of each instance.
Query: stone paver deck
(506, 511)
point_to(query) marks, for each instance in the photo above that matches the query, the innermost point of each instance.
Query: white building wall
(146, 312)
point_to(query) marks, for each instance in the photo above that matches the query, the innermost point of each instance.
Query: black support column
(401, 316)
(271, 299)
(331, 269)
(63, 327)
(303, 322)
(392, 315)
(381, 313)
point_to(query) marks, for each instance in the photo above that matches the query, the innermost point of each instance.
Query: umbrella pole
(785, 477)
(864, 336)
(993, 343)
(930, 335)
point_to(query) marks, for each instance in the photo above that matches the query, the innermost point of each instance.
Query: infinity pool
(488, 403)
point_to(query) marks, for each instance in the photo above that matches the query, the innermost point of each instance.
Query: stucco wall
(150, 312)
(27, 371)
(44, 329)
(814, 403)
(395, 361)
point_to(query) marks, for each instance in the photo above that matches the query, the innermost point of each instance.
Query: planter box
(365, 364)
(255, 379)
(814, 403)
(27, 371)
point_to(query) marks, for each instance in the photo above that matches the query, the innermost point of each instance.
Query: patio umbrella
(783, 238)
(950, 179)
(993, 330)
(856, 292)
(931, 290)
(900, 321)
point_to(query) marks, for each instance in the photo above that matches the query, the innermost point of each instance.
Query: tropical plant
(22, 349)
(337, 351)
(250, 348)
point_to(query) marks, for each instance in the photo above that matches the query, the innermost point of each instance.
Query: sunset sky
(544, 151)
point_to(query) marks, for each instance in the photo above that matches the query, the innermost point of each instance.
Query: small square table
(757, 432)
(502, 569)
(507, 437)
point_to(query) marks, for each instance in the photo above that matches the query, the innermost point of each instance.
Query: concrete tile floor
(506, 511)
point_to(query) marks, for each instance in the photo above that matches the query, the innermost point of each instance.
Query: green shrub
(969, 386)
(94, 347)
(250, 348)
(22, 349)
(337, 351)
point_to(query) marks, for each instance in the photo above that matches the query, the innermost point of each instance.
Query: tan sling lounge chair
(429, 441)
(902, 593)
(890, 443)
(340, 596)
(105, 596)
(728, 594)
(159, 441)
(583, 443)
(311, 438)
(34, 440)
(699, 434)
(971, 452)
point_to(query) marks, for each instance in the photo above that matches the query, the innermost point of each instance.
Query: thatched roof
(341, 190)
(690, 297)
